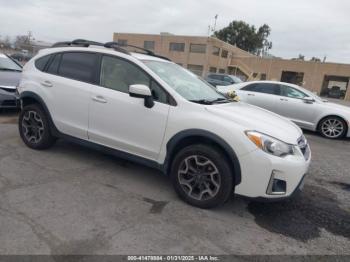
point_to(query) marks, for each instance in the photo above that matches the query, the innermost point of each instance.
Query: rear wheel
(34, 128)
(333, 127)
(202, 176)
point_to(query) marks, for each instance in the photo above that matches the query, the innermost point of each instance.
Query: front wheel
(332, 127)
(34, 128)
(201, 176)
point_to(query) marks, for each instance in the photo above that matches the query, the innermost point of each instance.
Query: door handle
(46, 83)
(99, 99)
(251, 95)
(282, 99)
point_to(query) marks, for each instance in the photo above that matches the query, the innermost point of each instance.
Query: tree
(22, 42)
(246, 36)
(315, 59)
(6, 42)
(300, 58)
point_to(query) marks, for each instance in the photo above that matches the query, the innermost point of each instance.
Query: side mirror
(142, 91)
(308, 100)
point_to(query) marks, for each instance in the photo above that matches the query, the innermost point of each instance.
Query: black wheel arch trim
(40, 101)
(171, 146)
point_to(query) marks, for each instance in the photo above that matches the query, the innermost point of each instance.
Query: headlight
(269, 144)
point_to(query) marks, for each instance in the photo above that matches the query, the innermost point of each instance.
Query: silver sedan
(303, 107)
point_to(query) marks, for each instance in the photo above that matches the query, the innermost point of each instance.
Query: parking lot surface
(73, 200)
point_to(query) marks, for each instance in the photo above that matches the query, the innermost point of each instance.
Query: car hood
(9, 79)
(258, 119)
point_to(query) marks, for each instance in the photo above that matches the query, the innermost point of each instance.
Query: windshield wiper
(9, 69)
(210, 102)
(202, 101)
(221, 100)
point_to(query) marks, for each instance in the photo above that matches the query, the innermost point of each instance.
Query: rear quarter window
(41, 62)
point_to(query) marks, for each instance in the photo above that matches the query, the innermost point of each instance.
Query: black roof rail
(87, 43)
(115, 45)
(147, 51)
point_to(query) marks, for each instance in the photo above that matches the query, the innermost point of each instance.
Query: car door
(263, 95)
(292, 106)
(66, 86)
(123, 122)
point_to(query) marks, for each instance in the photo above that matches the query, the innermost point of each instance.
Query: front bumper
(259, 170)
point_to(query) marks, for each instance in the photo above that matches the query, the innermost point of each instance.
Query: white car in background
(303, 107)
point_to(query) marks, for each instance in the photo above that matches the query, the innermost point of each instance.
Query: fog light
(276, 186)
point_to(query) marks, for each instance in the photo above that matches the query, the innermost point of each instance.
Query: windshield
(7, 64)
(236, 79)
(185, 83)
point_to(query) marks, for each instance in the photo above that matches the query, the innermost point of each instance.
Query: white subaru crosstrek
(147, 109)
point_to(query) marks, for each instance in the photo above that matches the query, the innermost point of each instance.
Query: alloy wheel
(199, 177)
(332, 128)
(33, 127)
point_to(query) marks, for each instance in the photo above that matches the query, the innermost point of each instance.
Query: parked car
(150, 110)
(10, 74)
(303, 107)
(222, 79)
(21, 57)
(335, 92)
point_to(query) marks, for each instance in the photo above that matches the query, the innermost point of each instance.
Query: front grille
(9, 103)
(304, 147)
(10, 90)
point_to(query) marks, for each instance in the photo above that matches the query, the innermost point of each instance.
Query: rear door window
(78, 66)
(266, 88)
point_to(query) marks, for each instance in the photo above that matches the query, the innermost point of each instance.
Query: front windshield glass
(187, 84)
(7, 64)
(236, 79)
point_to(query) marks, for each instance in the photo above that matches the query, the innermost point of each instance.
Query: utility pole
(216, 18)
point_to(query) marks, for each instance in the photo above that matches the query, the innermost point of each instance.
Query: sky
(314, 28)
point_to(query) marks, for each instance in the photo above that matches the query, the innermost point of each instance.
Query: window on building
(198, 48)
(263, 77)
(196, 69)
(149, 45)
(212, 69)
(222, 71)
(224, 53)
(216, 50)
(78, 66)
(179, 47)
(122, 42)
(296, 78)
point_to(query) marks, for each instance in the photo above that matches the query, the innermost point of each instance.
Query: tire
(34, 128)
(332, 127)
(198, 161)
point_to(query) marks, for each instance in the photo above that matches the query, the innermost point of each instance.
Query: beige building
(207, 54)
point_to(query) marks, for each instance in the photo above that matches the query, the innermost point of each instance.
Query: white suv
(145, 108)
